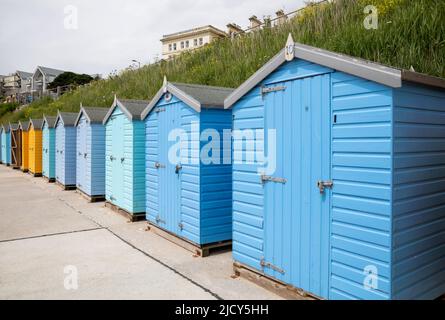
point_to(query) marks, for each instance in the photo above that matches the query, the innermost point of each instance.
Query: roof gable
(51, 121)
(194, 95)
(365, 69)
(93, 114)
(23, 125)
(131, 108)
(68, 119)
(35, 123)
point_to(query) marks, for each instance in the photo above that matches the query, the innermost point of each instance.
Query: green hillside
(410, 34)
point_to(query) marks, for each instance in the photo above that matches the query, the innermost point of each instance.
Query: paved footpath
(52, 241)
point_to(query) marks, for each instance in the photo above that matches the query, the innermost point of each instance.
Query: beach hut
(49, 148)
(348, 201)
(1, 144)
(35, 147)
(66, 150)
(189, 197)
(125, 158)
(6, 145)
(90, 160)
(16, 146)
(23, 129)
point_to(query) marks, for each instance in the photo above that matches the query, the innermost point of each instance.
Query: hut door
(14, 161)
(169, 215)
(117, 163)
(296, 206)
(45, 151)
(82, 154)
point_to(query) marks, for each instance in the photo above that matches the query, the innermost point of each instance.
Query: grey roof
(23, 74)
(4, 128)
(93, 114)
(50, 71)
(24, 125)
(50, 120)
(13, 126)
(68, 118)
(195, 95)
(131, 108)
(365, 69)
(36, 123)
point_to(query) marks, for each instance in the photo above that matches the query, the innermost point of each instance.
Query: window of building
(195, 42)
(174, 47)
(170, 47)
(187, 44)
(182, 44)
(201, 41)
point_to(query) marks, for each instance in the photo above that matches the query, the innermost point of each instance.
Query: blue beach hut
(90, 158)
(49, 148)
(6, 145)
(66, 149)
(125, 157)
(189, 197)
(354, 208)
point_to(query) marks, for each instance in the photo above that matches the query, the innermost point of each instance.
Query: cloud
(110, 33)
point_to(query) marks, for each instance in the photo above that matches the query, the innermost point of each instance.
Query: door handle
(122, 160)
(178, 168)
(85, 155)
(112, 158)
(322, 185)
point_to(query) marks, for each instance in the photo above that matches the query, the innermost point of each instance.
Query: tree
(70, 78)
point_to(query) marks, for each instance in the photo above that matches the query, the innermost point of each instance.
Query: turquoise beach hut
(49, 148)
(125, 157)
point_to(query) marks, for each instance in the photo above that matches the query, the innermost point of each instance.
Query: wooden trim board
(198, 250)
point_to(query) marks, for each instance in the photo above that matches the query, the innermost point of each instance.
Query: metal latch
(159, 220)
(265, 90)
(112, 158)
(265, 264)
(322, 185)
(265, 179)
(158, 110)
(181, 226)
(178, 168)
(158, 165)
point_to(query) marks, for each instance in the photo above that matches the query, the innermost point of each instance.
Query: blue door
(117, 160)
(169, 215)
(296, 248)
(45, 152)
(82, 155)
(60, 157)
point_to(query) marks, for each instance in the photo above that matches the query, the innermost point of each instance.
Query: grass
(410, 34)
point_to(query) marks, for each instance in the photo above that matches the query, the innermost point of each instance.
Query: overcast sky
(110, 33)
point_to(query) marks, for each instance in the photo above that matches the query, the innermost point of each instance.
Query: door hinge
(159, 220)
(158, 110)
(159, 166)
(265, 90)
(181, 226)
(265, 179)
(265, 264)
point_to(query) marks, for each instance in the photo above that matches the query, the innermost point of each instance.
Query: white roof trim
(81, 111)
(117, 103)
(365, 69)
(181, 95)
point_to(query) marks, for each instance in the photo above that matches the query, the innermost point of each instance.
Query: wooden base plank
(36, 175)
(198, 250)
(132, 217)
(49, 180)
(24, 170)
(279, 288)
(91, 199)
(65, 187)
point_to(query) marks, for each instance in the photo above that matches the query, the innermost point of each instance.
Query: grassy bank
(410, 34)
